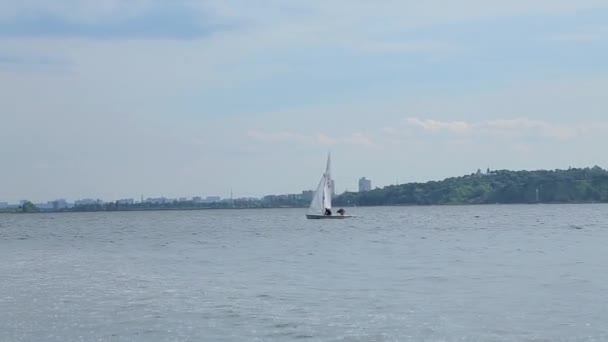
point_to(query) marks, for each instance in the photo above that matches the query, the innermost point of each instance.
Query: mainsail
(322, 197)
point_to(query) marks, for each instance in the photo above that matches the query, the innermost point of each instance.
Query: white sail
(322, 197)
(327, 188)
(327, 196)
(316, 205)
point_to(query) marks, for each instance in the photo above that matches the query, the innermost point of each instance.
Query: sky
(115, 99)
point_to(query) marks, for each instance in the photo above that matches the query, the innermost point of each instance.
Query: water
(462, 273)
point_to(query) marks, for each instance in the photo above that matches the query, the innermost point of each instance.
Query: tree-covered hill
(545, 186)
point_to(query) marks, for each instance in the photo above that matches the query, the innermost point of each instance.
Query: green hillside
(557, 186)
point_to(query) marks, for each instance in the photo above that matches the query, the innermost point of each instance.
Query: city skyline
(557, 183)
(158, 199)
(364, 185)
(117, 98)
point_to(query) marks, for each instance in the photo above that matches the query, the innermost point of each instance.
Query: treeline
(506, 187)
(185, 205)
(274, 202)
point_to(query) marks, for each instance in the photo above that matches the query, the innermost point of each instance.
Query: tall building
(365, 184)
(307, 195)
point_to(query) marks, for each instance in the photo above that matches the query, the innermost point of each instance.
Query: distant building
(85, 201)
(211, 199)
(307, 195)
(197, 199)
(158, 200)
(480, 173)
(246, 199)
(59, 204)
(269, 198)
(365, 184)
(126, 201)
(283, 199)
(46, 206)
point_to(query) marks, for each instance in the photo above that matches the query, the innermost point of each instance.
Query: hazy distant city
(573, 185)
(62, 203)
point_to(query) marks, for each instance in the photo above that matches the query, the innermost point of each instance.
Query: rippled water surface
(462, 273)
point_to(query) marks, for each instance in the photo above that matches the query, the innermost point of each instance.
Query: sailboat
(321, 200)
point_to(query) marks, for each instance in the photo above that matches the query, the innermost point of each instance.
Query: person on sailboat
(327, 212)
(341, 211)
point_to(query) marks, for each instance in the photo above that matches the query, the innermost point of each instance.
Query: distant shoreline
(68, 211)
(571, 186)
(284, 207)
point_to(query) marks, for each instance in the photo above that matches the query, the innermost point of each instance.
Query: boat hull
(322, 217)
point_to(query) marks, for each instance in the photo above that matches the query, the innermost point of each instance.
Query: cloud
(393, 14)
(344, 23)
(117, 20)
(325, 139)
(523, 125)
(356, 139)
(505, 128)
(359, 139)
(435, 125)
(454, 132)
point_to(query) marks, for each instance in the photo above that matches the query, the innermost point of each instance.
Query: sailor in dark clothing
(327, 212)
(341, 211)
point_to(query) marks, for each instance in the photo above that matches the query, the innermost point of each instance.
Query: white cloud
(545, 129)
(359, 139)
(435, 125)
(517, 132)
(356, 139)
(325, 139)
(511, 128)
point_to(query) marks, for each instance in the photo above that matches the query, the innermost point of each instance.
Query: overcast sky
(113, 99)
